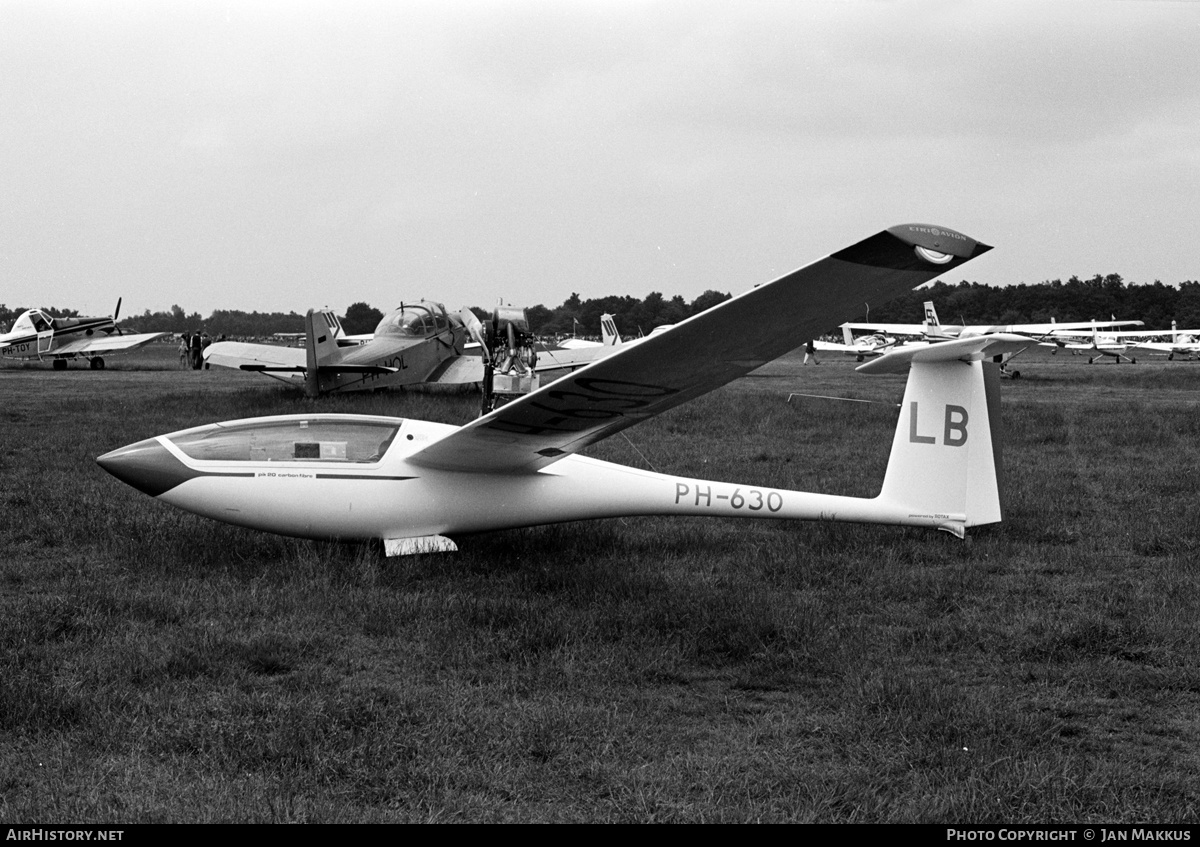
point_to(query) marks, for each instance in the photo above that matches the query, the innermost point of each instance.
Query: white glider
(413, 484)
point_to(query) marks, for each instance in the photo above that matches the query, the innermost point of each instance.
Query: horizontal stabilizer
(971, 349)
(355, 369)
(270, 369)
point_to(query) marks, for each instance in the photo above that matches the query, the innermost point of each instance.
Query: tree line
(1099, 298)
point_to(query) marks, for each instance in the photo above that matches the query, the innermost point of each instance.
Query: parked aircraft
(1097, 344)
(38, 335)
(932, 330)
(413, 484)
(861, 347)
(1184, 342)
(415, 344)
(575, 353)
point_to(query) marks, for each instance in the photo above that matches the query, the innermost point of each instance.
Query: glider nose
(147, 465)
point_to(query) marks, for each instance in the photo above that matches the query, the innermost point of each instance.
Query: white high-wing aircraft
(1184, 342)
(417, 343)
(37, 335)
(933, 331)
(413, 484)
(1097, 344)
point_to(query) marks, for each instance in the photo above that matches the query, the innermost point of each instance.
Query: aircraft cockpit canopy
(312, 439)
(414, 320)
(32, 321)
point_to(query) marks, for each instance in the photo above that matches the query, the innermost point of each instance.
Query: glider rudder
(945, 459)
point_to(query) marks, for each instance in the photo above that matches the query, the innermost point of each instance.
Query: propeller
(116, 314)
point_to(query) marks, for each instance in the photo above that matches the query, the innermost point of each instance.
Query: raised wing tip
(939, 240)
(915, 247)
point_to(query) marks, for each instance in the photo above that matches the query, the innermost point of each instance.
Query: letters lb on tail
(945, 460)
(415, 485)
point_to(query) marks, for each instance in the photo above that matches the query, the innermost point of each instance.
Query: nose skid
(147, 466)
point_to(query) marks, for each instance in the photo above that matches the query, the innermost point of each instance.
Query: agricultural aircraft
(36, 334)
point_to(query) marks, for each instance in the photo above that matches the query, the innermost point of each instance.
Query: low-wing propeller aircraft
(860, 347)
(417, 343)
(38, 335)
(413, 484)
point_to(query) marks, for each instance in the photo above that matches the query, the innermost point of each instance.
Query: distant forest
(1099, 298)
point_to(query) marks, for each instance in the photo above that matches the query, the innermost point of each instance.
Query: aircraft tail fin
(847, 335)
(945, 459)
(320, 341)
(331, 321)
(932, 325)
(608, 331)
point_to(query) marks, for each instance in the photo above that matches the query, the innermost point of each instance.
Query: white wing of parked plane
(699, 354)
(105, 343)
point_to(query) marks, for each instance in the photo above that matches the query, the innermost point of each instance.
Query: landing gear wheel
(96, 364)
(60, 364)
(1016, 375)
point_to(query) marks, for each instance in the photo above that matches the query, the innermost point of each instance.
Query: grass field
(156, 666)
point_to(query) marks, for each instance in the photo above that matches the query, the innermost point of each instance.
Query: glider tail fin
(320, 341)
(945, 459)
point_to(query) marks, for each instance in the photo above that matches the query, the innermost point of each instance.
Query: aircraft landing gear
(96, 364)
(59, 364)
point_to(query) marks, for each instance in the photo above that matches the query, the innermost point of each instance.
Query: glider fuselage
(339, 491)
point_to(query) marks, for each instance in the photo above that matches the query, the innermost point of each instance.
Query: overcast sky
(282, 155)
